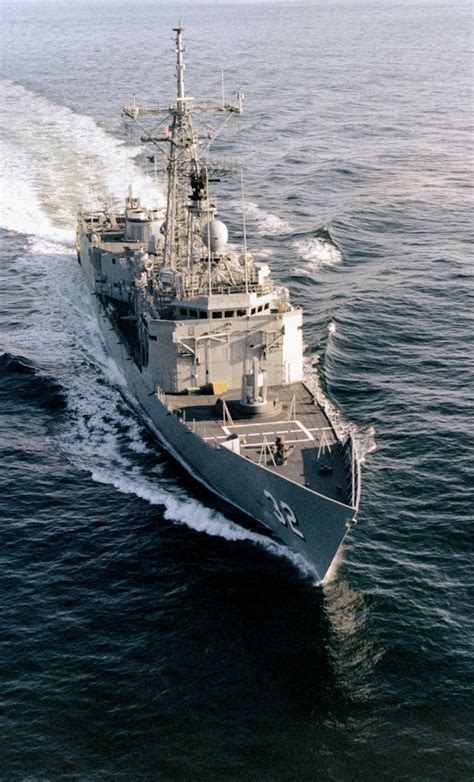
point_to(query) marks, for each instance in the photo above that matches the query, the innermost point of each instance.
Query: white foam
(319, 252)
(364, 439)
(21, 209)
(266, 222)
(54, 160)
(178, 507)
(365, 442)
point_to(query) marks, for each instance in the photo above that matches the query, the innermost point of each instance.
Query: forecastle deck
(309, 454)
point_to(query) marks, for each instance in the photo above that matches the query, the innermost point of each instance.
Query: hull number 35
(284, 514)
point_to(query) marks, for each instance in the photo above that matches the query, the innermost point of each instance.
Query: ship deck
(315, 458)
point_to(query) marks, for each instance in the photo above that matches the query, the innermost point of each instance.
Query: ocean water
(146, 634)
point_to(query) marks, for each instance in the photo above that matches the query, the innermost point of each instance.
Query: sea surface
(146, 635)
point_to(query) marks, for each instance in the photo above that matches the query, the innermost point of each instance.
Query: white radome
(215, 235)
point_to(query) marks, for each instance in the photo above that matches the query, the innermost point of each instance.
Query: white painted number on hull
(284, 514)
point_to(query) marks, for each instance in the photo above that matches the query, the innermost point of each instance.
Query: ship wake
(54, 160)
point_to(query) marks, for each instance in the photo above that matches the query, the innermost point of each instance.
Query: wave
(54, 160)
(23, 382)
(364, 439)
(266, 223)
(179, 507)
(319, 249)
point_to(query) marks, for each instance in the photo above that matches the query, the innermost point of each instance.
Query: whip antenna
(244, 227)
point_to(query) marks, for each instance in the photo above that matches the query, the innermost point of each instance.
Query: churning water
(147, 635)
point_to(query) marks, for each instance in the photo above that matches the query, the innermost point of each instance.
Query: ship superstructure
(212, 348)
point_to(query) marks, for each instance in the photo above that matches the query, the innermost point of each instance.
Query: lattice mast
(182, 164)
(188, 207)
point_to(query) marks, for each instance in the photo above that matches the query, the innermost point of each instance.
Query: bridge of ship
(315, 457)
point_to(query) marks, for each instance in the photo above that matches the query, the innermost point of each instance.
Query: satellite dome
(215, 235)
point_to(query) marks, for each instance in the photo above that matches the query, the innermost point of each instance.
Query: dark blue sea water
(145, 634)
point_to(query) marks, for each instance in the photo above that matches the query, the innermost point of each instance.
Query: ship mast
(182, 160)
(180, 63)
(188, 207)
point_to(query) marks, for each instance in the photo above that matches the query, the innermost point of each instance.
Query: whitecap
(318, 252)
(266, 222)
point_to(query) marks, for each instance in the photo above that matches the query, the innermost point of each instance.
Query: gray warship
(212, 348)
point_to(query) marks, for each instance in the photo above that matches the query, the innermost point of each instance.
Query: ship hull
(212, 349)
(322, 523)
